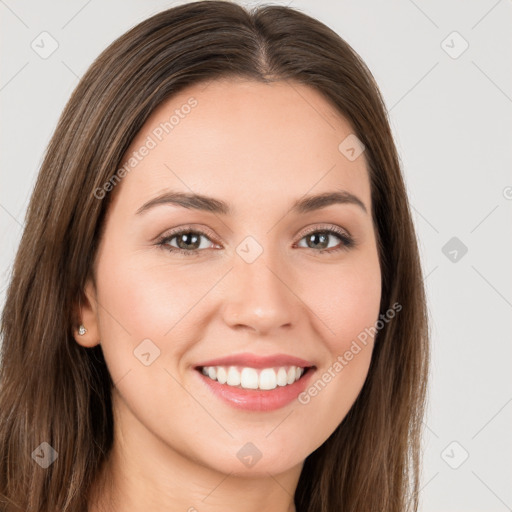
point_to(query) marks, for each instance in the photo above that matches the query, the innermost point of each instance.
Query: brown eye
(321, 239)
(187, 242)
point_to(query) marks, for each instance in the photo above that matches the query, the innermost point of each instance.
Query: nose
(261, 297)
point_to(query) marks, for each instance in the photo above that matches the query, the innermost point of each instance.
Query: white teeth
(233, 377)
(222, 375)
(268, 379)
(282, 377)
(251, 378)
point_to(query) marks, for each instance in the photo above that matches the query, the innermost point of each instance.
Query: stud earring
(81, 330)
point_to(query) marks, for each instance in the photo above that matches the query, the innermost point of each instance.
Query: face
(249, 287)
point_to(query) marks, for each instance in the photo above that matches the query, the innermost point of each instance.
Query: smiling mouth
(264, 379)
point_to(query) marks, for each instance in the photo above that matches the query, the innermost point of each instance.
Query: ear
(87, 310)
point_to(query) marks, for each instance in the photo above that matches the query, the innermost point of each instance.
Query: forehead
(244, 141)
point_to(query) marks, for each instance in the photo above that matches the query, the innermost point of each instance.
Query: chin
(250, 462)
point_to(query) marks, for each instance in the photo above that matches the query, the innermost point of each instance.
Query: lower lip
(257, 399)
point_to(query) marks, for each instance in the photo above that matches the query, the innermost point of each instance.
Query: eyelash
(347, 241)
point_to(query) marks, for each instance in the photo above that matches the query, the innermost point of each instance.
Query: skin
(259, 147)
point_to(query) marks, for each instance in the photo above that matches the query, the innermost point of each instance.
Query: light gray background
(451, 118)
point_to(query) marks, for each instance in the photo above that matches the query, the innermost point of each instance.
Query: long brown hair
(55, 391)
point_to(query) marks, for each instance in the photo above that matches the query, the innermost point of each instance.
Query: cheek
(347, 300)
(346, 297)
(142, 296)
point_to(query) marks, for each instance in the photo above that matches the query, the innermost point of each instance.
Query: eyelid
(346, 239)
(187, 227)
(209, 233)
(324, 227)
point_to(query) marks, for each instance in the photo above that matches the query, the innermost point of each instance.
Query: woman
(217, 301)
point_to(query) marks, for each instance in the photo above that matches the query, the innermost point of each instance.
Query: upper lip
(255, 361)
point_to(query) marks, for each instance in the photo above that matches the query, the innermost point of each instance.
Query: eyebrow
(209, 204)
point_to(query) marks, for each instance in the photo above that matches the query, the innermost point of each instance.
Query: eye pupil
(319, 237)
(188, 238)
